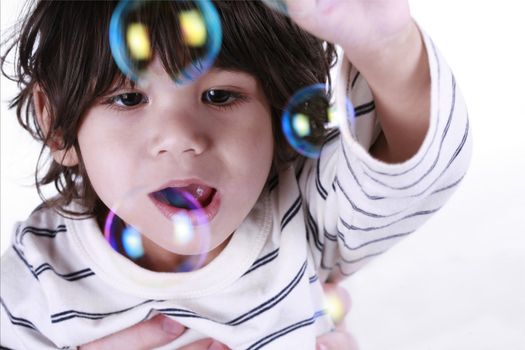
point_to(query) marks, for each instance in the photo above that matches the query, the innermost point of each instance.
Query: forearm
(399, 77)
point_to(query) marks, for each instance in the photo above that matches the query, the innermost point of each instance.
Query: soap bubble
(309, 115)
(188, 32)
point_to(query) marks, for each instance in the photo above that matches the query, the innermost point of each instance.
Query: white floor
(458, 283)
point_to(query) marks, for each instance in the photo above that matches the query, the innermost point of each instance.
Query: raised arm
(412, 144)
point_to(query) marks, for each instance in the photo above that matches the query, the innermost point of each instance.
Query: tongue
(201, 193)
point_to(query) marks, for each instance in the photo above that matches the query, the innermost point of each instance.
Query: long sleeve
(357, 206)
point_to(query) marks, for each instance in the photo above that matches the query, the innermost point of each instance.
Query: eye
(128, 99)
(219, 97)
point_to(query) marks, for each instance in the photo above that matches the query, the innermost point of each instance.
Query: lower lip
(209, 211)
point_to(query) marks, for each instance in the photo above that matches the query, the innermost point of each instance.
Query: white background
(459, 282)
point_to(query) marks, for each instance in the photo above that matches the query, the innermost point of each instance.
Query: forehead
(156, 74)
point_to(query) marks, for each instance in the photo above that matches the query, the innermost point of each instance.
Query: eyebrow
(232, 71)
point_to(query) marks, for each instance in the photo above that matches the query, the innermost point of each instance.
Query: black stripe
(271, 302)
(454, 156)
(342, 236)
(18, 321)
(346, 274)
(364, 108)
(322, 191)
(460, 147)
(288, 216)
(348, 262)
(330, 236)
(66, 315)
(313, 279)
(355, 228)
(349, 167)
(73, 276)
(320, 188)
(180, 313)
(42, 232)
(312, 225)
(454, 184)
(355, 79)
(332, 134)
(26, 263)
(362, 211)
(269, 338)
(263, 261)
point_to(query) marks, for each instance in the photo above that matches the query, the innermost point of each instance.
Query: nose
(178, 133)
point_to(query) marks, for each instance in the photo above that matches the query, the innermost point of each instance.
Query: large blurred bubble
(175, 218)
(187, 32)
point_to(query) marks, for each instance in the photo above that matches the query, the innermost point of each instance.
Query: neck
(158, 259)
(155, 257)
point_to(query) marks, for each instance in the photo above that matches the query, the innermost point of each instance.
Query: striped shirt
(63, 285)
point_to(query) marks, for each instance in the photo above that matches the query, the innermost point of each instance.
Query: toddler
(280, 223)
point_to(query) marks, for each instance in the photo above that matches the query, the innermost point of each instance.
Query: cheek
(104, 163)
(256, 152)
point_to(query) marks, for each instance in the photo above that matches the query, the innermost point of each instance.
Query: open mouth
(189, 197)
(195, 200)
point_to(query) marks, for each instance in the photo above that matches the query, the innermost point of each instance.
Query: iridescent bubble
(286, 7)
(132, 243)
(334, 306)
(190, 31)
(172, 217)
(277, 5)
(309, 115)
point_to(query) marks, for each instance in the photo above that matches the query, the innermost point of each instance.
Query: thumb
(157, 331)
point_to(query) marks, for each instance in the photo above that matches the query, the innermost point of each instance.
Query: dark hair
(62, 43)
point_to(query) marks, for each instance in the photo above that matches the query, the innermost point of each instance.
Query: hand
(340, 339)
(360, 27)
(155, 332)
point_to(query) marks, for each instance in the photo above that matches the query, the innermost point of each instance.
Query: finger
(337, 302)
(205, 344)
(157, 331)
(338, 340)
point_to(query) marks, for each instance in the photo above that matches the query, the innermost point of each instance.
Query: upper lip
(183, 183)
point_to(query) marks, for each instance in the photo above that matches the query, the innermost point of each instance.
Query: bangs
(249, 44)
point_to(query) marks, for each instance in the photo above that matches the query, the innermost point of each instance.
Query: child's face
(215, 132)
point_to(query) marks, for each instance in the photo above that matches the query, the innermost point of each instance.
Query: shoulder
(30, 240)
(40, 246)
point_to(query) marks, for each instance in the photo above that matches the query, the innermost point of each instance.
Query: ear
(62, 156)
